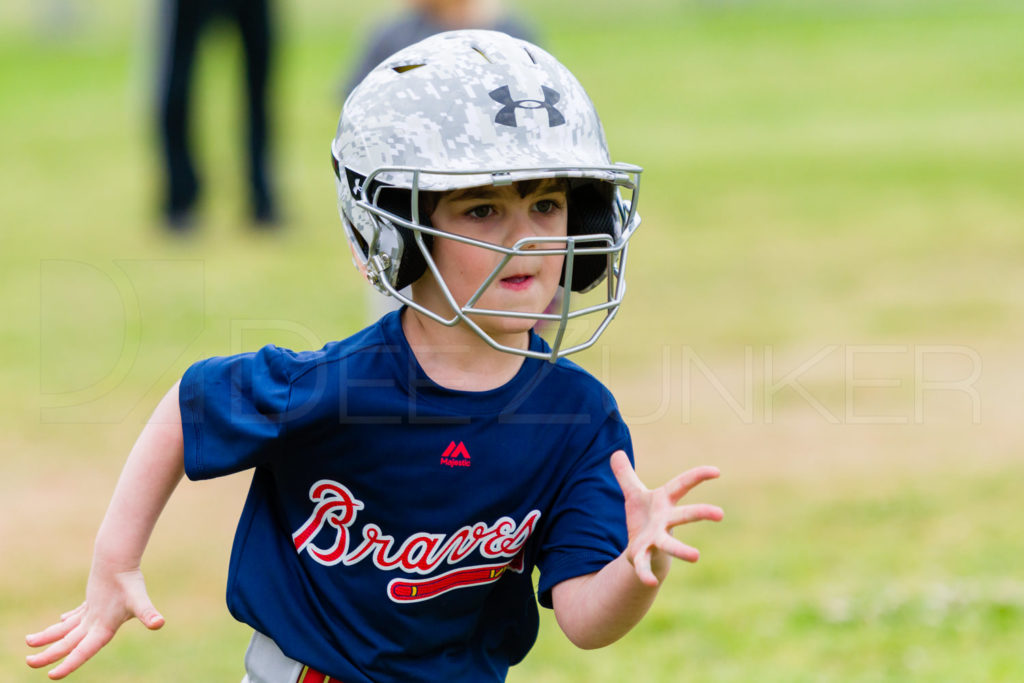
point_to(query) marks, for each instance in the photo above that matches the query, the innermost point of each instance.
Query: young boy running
(408, 480)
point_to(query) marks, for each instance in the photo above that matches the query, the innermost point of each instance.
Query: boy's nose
(522, 228)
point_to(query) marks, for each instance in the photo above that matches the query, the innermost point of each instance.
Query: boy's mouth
(516, 282)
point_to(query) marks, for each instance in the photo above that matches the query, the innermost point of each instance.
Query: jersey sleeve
(233, 411)
(587, 526)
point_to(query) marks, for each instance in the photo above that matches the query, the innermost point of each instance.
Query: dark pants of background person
(185, 21)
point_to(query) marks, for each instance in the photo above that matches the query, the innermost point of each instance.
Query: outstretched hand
(652, 514)
(112, 598)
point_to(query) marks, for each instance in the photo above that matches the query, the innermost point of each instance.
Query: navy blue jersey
(393, 525)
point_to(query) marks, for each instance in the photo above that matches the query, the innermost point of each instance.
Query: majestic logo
(335, 510)
(506, 116)
(455, 455)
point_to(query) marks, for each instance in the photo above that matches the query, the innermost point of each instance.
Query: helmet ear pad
(412, 263)
(397, 201)
(590, 213)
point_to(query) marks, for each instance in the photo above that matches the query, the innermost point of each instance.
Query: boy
(409, 479)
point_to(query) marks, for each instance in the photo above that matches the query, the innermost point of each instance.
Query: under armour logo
(507, 115)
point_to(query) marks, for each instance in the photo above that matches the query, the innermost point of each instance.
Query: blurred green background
(824, 301)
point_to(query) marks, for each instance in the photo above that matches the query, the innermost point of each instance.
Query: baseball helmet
(471, 108)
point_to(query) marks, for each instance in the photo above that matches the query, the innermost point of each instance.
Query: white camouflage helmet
(472, 108)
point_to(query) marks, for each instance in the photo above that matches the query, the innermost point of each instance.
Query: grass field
(825, 301)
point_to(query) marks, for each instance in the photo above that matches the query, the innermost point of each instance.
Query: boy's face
(501, 216)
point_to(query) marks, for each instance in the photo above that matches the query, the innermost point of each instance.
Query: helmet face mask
(440, 116)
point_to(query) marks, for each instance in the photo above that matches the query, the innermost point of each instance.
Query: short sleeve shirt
(393, 525)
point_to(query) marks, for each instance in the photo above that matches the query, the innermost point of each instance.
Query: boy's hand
(112, 598)
(651, 515)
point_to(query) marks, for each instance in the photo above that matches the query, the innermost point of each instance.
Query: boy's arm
(116, 591)
(597, 609)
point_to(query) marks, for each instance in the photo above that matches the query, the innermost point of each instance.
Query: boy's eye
(546, 206)
(482, 211)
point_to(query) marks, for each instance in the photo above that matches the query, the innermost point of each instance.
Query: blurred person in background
(182, 23)
(424, 18)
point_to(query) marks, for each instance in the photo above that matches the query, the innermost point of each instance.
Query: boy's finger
(680, 485)
(678, 549)
(145, 612)
(54, 632)
(624, 473)
(642, 567)
(77, 610)
(150, 618)
(58, 650)
(89, 646)
(698, 512)
(153, 620)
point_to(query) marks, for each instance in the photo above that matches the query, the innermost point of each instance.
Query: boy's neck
(456, 357)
